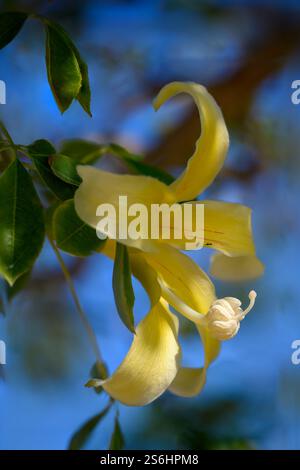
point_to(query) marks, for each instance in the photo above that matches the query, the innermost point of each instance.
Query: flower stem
(80, 310)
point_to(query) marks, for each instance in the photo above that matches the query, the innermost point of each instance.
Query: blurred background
(248, 54)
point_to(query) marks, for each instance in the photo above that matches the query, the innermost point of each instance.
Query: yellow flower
(152, 364)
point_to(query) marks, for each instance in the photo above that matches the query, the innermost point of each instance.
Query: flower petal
(211, 147)
(228, 228)
(154, 356)
(152, 361)
(225, 227)
(190, 381)
(101, 187)
(184, 285)
(237, 268)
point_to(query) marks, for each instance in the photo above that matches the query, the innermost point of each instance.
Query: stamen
(180, 306)
(224, 316)
(252, 296)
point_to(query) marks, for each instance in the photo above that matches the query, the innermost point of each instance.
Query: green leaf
(122, 152)
(3, 296)
(65, 169)
(81, 436)
(59, 188)
(83, 94)
(122, 287)
(63, 70)
(117, 441)
(49, 212)
(83, 151)
(72, 235)
(41, 147)
(87, 152)
(40, 152)
(149, 170)
(9, 292)
(22, 227)
(99, 371)
(10, 24)
(135, 163)
(18, 286)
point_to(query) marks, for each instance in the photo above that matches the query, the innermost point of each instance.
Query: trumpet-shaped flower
(153, 363)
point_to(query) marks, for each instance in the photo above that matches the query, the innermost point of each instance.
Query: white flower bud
(224, 316)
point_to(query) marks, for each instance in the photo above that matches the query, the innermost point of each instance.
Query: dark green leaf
(83, 95)
(59, 188)
(10, 24)
(87, 152)
(122, 286)
(3, 296)
(99, 371)
(9, 292)
(83, 151)
(72, 235)
(40, 152)
(41, 147)
(18, 285)
(65, 169)
(22, 227)
(122, 152)
(149, 170)
(81, 436)
(135, 163)
(117, 441)
(63, 70)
